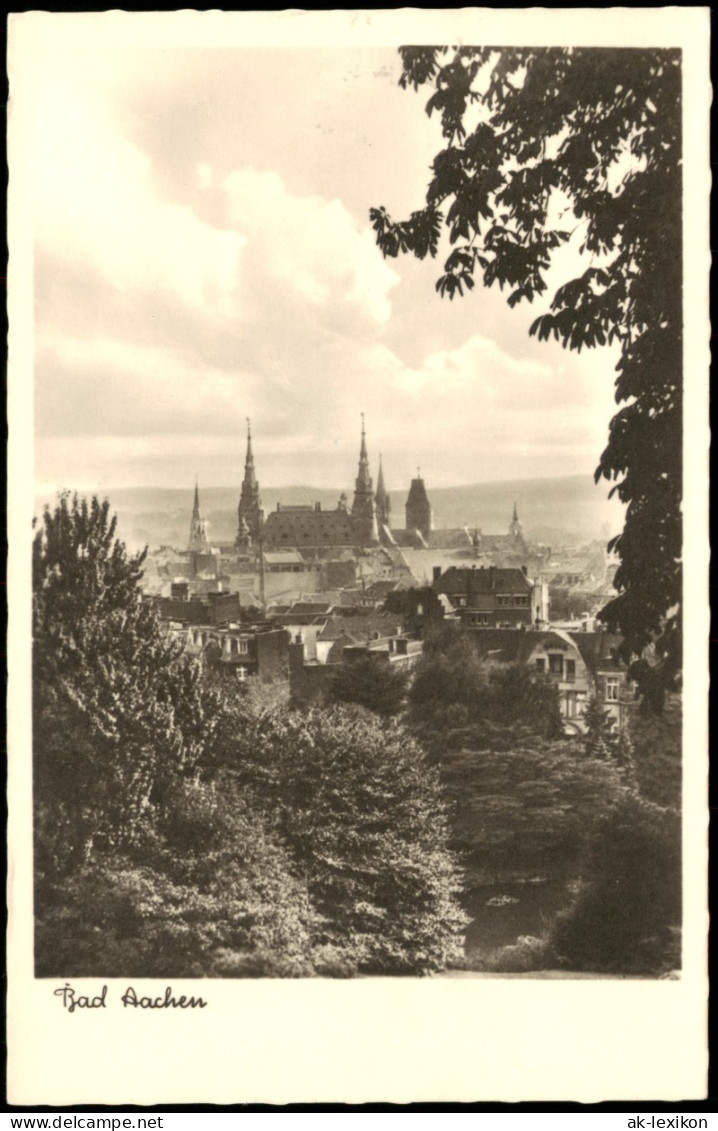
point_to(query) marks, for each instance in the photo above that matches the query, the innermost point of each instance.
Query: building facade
(240, 652)
(581, 664)
(494, 597)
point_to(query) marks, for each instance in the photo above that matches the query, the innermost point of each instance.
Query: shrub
(523, 804)
(657, 748)
(628, 910)
(526, 954)
(360, 813)
(370, 682)
(213, 896)
(181, 831)
(454, 686)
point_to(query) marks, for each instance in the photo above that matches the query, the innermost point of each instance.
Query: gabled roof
(489, 540)
(494, 579)
(386, 536)
(515, 645)
(336, 630)
(314, 608)
(360, 628)
(380, 588)
(598, 650)
(505, 645)
(283, 557)
(309, 527)
(457, 538)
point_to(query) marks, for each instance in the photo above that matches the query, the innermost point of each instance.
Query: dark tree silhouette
(627, 915)
(540, 142)
(370, 682)
(598, 740)
(118, 710)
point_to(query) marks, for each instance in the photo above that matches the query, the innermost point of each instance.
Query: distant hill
(551, 510)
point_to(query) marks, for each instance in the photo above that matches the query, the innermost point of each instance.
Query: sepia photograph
(357, 534)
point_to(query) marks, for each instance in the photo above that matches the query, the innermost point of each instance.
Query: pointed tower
(243, 541)
(383, 502)
(516, 530)
(197, 527)
(364, 507)
(250, 514)
(418, 507)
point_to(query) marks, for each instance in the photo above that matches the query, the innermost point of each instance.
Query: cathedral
(366, 524)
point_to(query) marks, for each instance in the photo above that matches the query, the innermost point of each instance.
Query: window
(243, 647)
(241, 674)
(570, 671)
(612, 690)
(503, 601)
(541, 665)
(555, 663)
(521, 602)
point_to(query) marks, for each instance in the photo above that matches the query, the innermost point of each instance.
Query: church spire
(380, 478)
(363, 507)
(195, 508)
(250, 514)
(383, 502)
(197, 528)
(249, 475)
(516, 529)
(363, 475)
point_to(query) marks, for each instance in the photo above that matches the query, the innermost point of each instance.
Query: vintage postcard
(358, 564)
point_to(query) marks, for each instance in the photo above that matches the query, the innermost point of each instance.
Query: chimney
(470, 588)
(525, 570)
(436, 573)
(492, 576)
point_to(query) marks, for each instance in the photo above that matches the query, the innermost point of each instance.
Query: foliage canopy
(454, 689)
(581, 145)
(371, 683)
(182, 832)
(360, 812)
(627, 915)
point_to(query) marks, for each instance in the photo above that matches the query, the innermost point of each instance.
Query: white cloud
(95, 201)
(309, 247)
(102, 385)
(174, 298)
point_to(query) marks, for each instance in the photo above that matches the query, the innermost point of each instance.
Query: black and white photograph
(351, 511)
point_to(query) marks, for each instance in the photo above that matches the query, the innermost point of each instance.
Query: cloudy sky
(202, 254)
